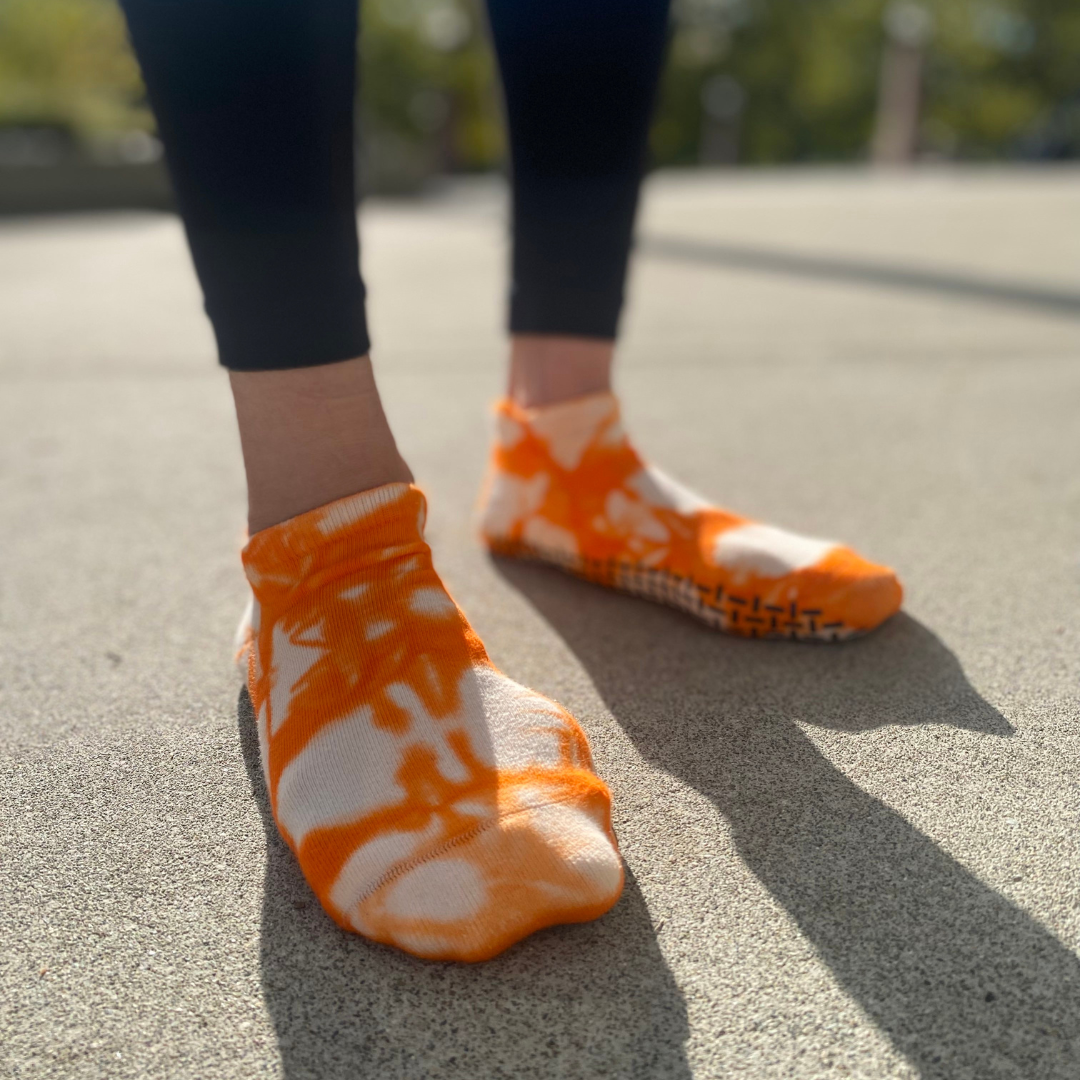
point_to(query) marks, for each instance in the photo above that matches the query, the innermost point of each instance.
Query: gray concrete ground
(858, 861)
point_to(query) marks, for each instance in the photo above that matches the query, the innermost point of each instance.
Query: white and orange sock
(433, 804)
(566, 487)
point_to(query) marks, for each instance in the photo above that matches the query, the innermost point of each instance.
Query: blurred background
(747, 83)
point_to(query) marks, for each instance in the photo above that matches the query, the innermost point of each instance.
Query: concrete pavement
(860, 861)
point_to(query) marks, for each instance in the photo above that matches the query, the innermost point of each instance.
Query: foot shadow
(594, 1000)
(963, 982)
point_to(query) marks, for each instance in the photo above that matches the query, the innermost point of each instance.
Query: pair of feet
(433, 803)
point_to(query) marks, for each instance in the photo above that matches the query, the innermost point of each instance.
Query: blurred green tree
(429, 99)
(759, 81)
(997, 73)
(66, 63)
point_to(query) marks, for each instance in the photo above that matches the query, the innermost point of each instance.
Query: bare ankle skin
(310, 436)
(546, 368)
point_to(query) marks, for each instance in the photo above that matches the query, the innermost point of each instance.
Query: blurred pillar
(896, 131)
(722, 101)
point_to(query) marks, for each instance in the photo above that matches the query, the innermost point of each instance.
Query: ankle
(310, 436)
(272, 504)
(546, 369)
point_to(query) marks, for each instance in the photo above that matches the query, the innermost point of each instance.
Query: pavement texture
(853, 861)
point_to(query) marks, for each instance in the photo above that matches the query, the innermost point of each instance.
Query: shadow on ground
(863, 272)
(964, 983)
(595, 1000)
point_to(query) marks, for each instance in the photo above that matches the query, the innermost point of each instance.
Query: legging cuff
(572, 313)
(283, 299)
(292, 341)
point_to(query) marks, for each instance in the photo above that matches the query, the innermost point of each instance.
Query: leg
(254, 102)
(579, 79)
(432, 803)
(566, 484)
(259, 136)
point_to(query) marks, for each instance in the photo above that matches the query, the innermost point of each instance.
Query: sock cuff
(587, 404)
(359, 529)
(575, 421)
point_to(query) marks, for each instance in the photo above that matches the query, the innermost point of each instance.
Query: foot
(566, 487)
(433, 804)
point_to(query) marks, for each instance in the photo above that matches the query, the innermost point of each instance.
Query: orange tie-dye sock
(433, 804)
(567, 487)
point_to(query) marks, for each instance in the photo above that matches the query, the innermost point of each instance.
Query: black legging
(254, 102)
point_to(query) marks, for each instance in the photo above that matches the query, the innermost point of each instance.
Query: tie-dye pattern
(566, 487)
(433, 803)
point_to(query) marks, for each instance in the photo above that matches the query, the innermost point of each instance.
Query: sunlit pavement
(860, 861)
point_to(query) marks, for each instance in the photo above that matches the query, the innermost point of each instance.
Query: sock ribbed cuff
(340, 532)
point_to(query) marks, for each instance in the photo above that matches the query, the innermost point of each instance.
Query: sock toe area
(861, 593)
(533, 867)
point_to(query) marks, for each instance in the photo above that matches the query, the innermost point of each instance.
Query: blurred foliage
(999, 75)
(429, 96)
(67, 63)
(790, 80)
